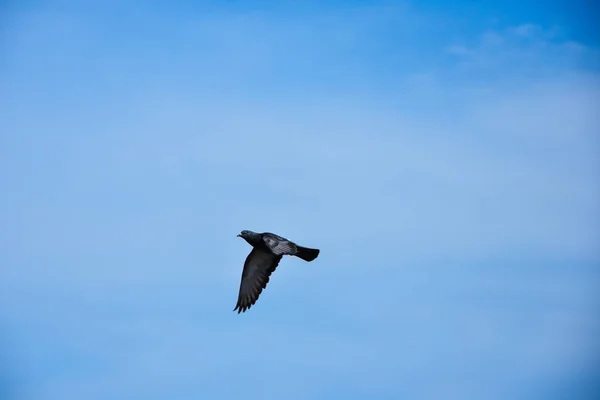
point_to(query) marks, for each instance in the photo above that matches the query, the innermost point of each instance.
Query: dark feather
(278, 245)
(258, 267)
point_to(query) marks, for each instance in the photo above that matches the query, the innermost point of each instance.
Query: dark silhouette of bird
(267, 251)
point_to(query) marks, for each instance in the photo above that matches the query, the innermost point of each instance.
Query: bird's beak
(238, 235)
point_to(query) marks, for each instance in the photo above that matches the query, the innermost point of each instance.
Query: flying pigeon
(267, 251)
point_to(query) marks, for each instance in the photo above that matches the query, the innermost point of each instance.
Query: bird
(267, 251)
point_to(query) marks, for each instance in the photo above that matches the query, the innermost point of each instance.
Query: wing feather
(279, 246)
(258, 267)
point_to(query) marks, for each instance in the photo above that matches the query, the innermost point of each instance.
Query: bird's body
(267, 251)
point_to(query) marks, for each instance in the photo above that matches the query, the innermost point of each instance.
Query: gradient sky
(443, 156)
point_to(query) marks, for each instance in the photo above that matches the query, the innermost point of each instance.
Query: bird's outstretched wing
(257, 268)
(279, 245)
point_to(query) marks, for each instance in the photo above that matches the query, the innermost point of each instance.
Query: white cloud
(517, 49)
(526, 30)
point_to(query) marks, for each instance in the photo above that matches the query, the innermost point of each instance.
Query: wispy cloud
(524, 46)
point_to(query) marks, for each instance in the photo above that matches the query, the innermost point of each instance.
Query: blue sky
(442, 155)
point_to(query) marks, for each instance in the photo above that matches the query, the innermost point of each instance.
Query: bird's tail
(306, 254)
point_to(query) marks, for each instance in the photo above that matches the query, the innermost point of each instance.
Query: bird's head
(252, 238)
